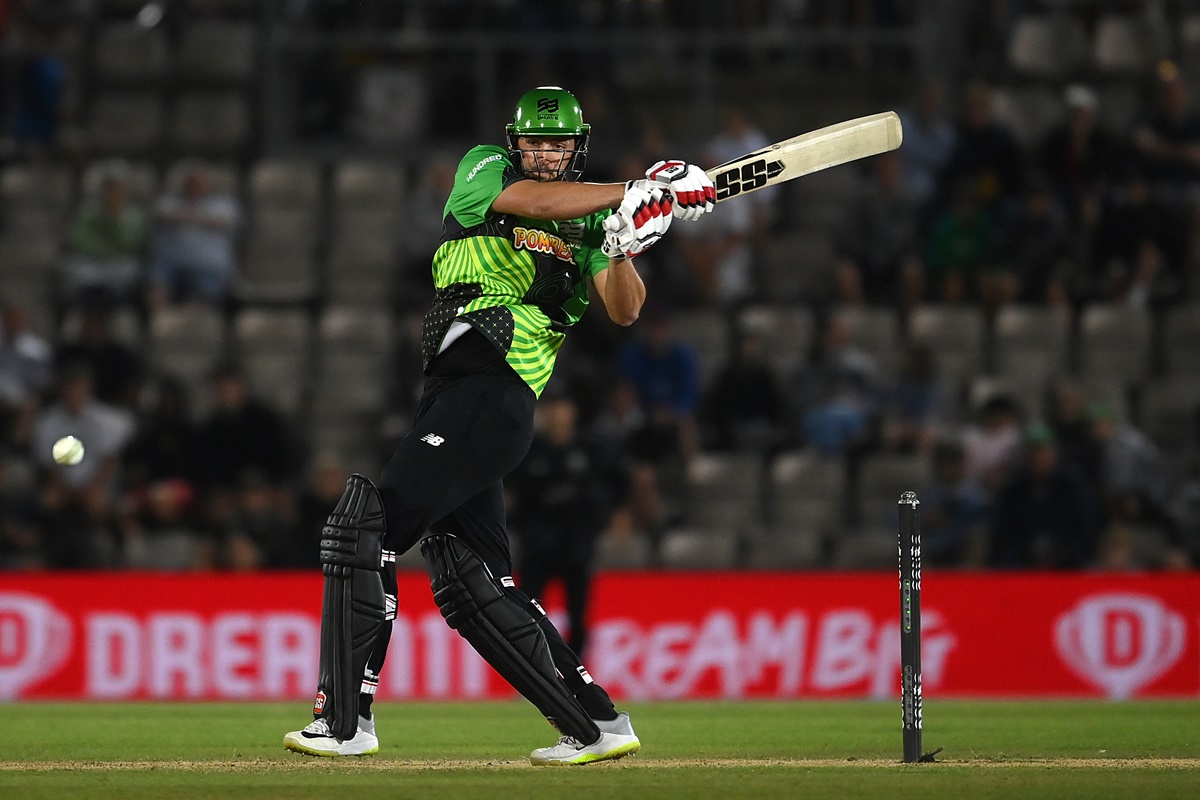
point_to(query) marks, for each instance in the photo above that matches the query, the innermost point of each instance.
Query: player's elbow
(624, 316)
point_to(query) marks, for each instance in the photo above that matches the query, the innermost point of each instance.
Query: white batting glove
(690, 188)
(641, 220)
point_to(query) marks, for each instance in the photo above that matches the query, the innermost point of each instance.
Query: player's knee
(353, 533)
(461, 582)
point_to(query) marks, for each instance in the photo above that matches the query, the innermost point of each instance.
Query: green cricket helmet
(550, 111)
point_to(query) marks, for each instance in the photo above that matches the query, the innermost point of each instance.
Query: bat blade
(807, 153)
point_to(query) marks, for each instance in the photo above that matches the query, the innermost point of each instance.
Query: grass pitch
(690, 750)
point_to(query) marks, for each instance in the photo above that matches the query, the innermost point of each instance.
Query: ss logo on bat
(746, 178)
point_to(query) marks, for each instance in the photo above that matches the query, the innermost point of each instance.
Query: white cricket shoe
(617, 740)
(315, 740)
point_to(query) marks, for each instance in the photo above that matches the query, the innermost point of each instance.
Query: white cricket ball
(68, 450)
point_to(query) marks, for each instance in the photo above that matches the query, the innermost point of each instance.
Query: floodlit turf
(690, 750)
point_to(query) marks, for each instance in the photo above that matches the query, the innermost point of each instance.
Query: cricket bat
(809, 152)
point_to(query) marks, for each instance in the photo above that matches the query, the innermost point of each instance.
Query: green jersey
(520, 282)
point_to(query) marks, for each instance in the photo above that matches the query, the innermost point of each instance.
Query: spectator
(20, 538)
(837, 393)
(992, 443)
(26, 370)
(719, 252)
(737, 136)
(1067, 415)
(878, 242)
(561, 500)
(664, 373)
(259, 533)
(158, 528)
(1185, 515)
(1167, 138)
(318, 496)
(962, 250)
(929, 139)
(955, 512)
(40, 88)
(117, 369)
(914, 407)
(1135, 485)
(193, 248)
(167, 442)
(745, 404)
(242, 435)
(105, 248)
(986, 158)
(1141, 245)
(78, 503)
(1038, 262)
(1079, 157)
(1046, 517)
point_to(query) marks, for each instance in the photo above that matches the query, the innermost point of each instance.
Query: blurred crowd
(969, 213)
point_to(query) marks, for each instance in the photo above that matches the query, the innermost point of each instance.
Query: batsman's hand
(641, 220)
(690, 188)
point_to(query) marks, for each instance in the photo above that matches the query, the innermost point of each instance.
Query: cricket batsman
(522, 237)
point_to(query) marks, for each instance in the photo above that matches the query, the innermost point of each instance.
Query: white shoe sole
(627, 747)
(363, 744)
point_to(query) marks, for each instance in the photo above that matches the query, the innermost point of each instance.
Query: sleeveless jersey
(520, 282)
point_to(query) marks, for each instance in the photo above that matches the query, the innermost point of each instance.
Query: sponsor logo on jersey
(539, 241)
(475, 169)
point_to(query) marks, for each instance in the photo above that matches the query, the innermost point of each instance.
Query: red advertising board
(654, 636)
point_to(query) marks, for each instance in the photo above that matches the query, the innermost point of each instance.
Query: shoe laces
(318, 726)
(570, 741)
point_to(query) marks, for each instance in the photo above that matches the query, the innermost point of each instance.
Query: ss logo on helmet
(548, 105)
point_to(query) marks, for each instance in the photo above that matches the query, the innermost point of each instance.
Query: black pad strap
(354, 606)
(503, 631)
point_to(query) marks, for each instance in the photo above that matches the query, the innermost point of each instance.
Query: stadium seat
(805, 493)
(869, 548)
(126, 123)
(1032, 341)
(130, 54)
(1027, 389)
(799, 267)
(883, 477)
(368, 184)
(273, 346)
(623, 552)
(707, 332)
(140, 177)
(34, 200)
(1168, 409)
(1114, 340)
(284, 183)
(271, 271)
(1181, 339)
(787, 333)
(363, 271)
(1047, 46)
(354, 346)
(784, 552)
(217, 52)
(724, 493)
(690, 549)
(1128, 44)
(187, 342)
(211, 123)
(876, 331)
(223, 176)
(955, 336)
(1029, 111)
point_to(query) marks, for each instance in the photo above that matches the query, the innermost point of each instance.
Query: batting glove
(641, 220)
(690, 188)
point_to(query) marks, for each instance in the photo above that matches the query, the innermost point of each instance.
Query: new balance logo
(432, 439)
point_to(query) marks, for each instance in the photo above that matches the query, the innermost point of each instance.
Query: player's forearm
(558, 200)
(624, 292)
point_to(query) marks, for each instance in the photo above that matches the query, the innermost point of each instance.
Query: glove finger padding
(691, 189)
(641, 220)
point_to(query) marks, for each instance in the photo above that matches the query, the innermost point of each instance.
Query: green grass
(690, 750)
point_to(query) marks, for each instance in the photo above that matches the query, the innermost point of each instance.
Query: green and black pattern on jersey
(520, 282)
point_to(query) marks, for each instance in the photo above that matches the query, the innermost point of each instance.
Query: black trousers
(446, 474)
